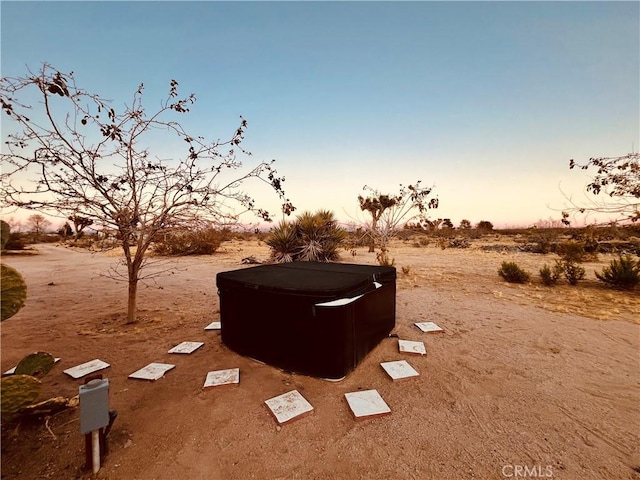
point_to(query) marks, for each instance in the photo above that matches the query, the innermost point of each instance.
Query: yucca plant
(283, 242)
(312, 237)
(623, 273)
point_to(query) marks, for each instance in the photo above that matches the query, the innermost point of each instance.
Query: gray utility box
(94, 405)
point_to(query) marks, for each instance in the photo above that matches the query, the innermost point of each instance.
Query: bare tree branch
(617, 182)
(80, 156)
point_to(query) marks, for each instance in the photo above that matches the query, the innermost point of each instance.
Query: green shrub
(16, 241)
(311, 237)
(550, 276)
(572, 271)
(623, 273)
(512, 273)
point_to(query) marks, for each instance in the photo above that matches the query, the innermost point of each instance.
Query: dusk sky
(486, 101)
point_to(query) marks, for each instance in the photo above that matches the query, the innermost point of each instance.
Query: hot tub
(318, 319)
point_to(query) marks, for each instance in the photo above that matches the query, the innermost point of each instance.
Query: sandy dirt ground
(526, 381)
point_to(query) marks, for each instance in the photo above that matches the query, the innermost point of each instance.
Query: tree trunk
(133, 266)
(374, 231)
(133, 291)
(134, 273)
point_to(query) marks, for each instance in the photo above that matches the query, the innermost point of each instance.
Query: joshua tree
(82, 153)
(375, 204)
(79, 224)
(387, 212)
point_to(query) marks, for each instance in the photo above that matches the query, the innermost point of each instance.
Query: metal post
(95, 448)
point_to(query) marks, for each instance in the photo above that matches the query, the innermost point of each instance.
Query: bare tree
(618, 179)
(83, 156)
(388, 212)
(37, 223)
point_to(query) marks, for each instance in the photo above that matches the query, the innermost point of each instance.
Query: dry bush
(186, 241)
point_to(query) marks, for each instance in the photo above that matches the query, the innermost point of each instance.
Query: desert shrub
(442, 243)
(512, 273)
(543, 241)
(621, 247)
(49, 238)
(573, 272)
(459, 243)
(551, 275)
(187, 241)
(405, 234)
(623, 273)
(575, 252)
(572, 253)
(484, 226)
(422, 242)
(356, 238)
(311, 237)
(16, 241)
(383, 258)
(406, 270)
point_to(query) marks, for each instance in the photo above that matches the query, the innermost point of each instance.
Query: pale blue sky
(487, 101)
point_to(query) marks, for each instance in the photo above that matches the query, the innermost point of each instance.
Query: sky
(484, 101)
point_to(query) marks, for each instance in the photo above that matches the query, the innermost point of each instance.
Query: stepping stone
(222, 377)
(399, 370)
(83, 369)
(11, 371)
(367, 404)
(288, 407)
(409, 346)
(153, 371)
(214, 326)
(429, 327)
(186, 347)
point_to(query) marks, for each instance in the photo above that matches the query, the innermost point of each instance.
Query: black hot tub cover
(287, 315)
